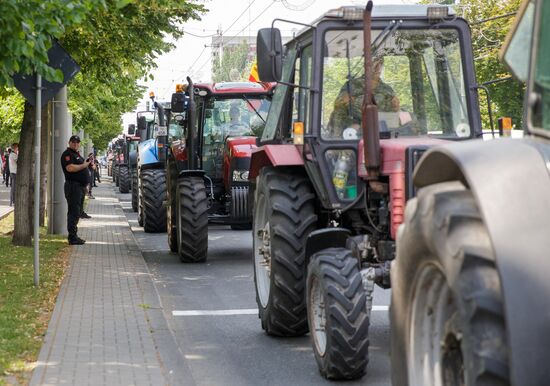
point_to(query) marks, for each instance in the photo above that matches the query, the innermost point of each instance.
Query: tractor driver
(235, 127)
(345, 119)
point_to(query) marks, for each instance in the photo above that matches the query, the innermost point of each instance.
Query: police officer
(77, 177)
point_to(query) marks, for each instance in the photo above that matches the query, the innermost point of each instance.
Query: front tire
(153, 193)
(447, 317)
(192, 217)
(337, 314)
(124, 179)
(135, 190)
(284, 215)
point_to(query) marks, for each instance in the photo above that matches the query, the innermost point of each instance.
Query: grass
(25, 310)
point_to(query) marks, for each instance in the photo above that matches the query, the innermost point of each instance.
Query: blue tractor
(149, 180)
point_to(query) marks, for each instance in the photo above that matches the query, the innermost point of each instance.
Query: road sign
(58, 58)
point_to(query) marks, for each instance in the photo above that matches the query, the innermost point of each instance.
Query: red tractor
(217, 124)
(362, 95)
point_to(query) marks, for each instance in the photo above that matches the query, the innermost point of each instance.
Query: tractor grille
(412, 157)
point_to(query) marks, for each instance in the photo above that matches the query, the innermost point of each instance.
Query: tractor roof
(384, 11)
(223, 88)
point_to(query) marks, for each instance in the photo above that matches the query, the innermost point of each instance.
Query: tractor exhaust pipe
(369, 111)
(191, 135)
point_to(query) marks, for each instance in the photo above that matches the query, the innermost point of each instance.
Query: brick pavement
(107, 324)
(5, 209)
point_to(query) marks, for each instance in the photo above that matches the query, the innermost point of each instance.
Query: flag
(253, 77)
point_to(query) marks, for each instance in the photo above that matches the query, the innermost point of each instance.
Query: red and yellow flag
(254, 77)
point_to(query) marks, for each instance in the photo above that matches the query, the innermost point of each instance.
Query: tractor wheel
(153, 194)
(284, 215)
(447, 317)
(337, 314)
(172, 211)
(240, 210)
(124, 179)
(192, 204)
(115, 175)
(135, 190)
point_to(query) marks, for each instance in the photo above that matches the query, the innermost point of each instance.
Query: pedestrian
(6, 171)
(97, 172)
(77, 177)
(91, 170)
(13, 171)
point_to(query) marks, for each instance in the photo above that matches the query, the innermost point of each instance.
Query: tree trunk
(22, 233)
(44, 136)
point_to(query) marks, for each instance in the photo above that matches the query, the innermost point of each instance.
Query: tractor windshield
(418, 84)
(230, 117)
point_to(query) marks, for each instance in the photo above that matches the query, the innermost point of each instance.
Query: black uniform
(74, 189)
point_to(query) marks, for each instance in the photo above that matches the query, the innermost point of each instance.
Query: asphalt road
(233, 349)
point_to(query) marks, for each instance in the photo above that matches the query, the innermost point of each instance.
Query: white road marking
(245, 311)
(248, 311)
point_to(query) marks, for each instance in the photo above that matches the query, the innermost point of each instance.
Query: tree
(487, 39)
(116, 43)
(235, 64)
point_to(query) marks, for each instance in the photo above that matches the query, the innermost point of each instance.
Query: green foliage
(26, 29)
(97, 107)
(115, 48)
(235, 65)
(487, 39)
(11, 116)
(116, 43)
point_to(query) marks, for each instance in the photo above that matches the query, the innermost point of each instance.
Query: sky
(235, 17)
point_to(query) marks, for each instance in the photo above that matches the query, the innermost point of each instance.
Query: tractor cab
(423, 85)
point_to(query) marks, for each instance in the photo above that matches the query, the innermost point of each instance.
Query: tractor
(471, 295)
(128, 160)
(150, 174)
(118, 157)
(217, 124)
(362, 94)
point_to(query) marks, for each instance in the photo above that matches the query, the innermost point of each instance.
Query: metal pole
(38, 110)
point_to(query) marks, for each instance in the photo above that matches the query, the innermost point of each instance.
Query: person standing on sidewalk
(77, 177)
(13, 171)
(7, 166)
(91, 169)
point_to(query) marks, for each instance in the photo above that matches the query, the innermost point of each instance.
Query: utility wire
(245, 27)
(238, 17)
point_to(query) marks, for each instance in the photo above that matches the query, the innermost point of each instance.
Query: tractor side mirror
(142, 123)
(270, 54)
(178, 102)
(131, 129)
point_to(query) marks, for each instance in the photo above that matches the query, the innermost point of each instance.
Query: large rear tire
(192, 217)
(135, 190)
(124, 179)
(153, 193)
(447, 320)
(284, 215)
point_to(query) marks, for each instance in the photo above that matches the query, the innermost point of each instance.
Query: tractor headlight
(240, 175)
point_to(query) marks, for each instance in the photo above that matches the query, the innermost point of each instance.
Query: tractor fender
(510, 181)
(274, 155)
(325, 238)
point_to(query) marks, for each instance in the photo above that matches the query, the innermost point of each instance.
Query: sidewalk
(5, 207)
(107, 327)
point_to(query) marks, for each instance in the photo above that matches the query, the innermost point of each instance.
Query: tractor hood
(148, 152)
(392, 158)
(241, 147)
